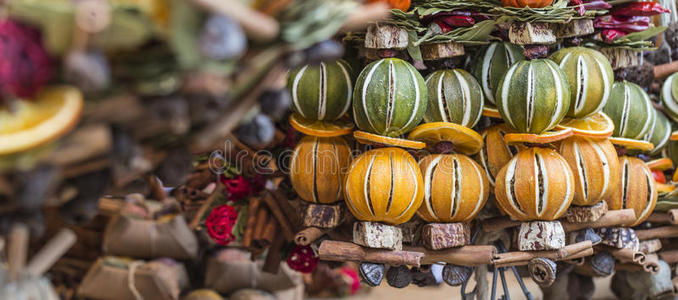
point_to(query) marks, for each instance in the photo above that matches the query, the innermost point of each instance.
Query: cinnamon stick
(308, 236)
(628, 255)
(657, 233)
(262, 220)
(51, 252)
(650, 246)
(628, 267)
(498, 223)
(17, 249)
(274, 256)
(666, 69)
(520, 257)
(252, 210)
(669, 256)
(343, 251)
(659, 217)
(579, 261)
(611, 218)
(471, 255)
(284, 223)
(651, 264)
(269, 234)
(673, 216)
(287, 209)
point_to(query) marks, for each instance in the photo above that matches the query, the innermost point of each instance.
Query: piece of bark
(619, 237)
(437, 236)
(283, 222)
(658, 233)
(578, 27)
(344, 251)
(620, 57)
(436, 51)
(541, 235)
(323, 216)
(543, 271)
(386, 36)
(611, 218)
(584, 214)
(531, 33)
(650, 246)
(377, 235)
(471, 255)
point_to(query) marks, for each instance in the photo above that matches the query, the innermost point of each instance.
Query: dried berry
(398, 276)
(372, 274)
(302, 259)
(455, 275)
(222, 38)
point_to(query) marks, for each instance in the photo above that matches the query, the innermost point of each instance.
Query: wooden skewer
(50, 253)
(657, 233)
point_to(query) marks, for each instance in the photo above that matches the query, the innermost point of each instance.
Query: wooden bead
(323, 216)
(377, 235)
(437, 236)
(619, 237)
(385, 36)
(436, 51)
(543, 271)
(541, 235)
(574, 28)
(586, 214)
(529, 33)
(455, 275)
(372, 274)
(398, 276)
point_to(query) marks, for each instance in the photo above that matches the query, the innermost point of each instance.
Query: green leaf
(644, 35)
(412, 50)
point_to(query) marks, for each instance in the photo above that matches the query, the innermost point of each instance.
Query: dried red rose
(220, 224)
(25, 66)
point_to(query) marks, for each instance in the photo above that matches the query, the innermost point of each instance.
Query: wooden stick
(651, 264)
(666, 69)
(611, 218)
(269, 234)
(343, 251)
(669, 256)
(628, 255)
(471, 255)
(203, 208)
(308, 236)
(284, 223)
(17, 250)
(657, 233)
(262, 220)
(252, 209)
(498, 223)
(50, 253)
(361, 17)
(257, 26)
(274, 256)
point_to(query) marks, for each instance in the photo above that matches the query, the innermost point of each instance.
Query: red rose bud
(220, 224)
(639, 9)
(610, 35)
(236, 188)
(302, 259)
(579, 7)
(25, 66)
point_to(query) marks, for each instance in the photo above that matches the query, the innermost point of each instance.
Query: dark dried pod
(602, 263)
(543, 271)
(587, 234)
(372, 274)
(398, 276)
(423, 276)
(455, 275)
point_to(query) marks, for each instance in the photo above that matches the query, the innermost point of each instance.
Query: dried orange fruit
(321, 128)
(674, 136)
(660, 164)
(598, 125)
(675, 176)
(465, 140)
(491, 112)
(663, 188)
(53, 112)
(367, 138)
(632, 144)
(543, 138)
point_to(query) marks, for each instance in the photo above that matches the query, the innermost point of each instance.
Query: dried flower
(220, 224)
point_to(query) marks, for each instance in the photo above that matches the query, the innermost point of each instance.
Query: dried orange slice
(660, 164)
(465, 140)
(632, 144)
(543, 138)
(367, 138)
(53, 112)
(598, 125)
(675, 176)
(674, 136)
(321, 128)
(663, 188)
(491, 112)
